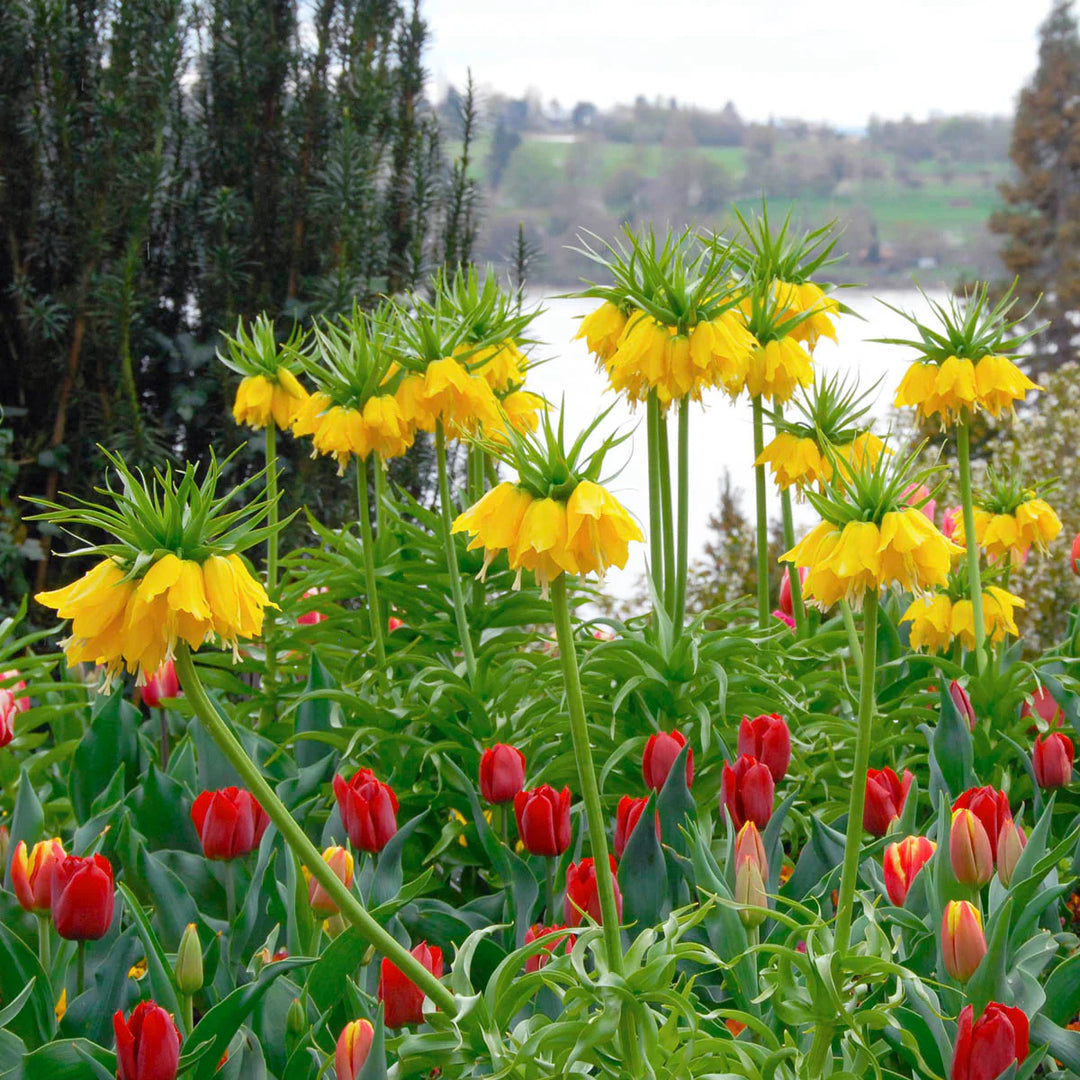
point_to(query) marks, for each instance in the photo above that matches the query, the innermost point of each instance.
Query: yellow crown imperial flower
(521, 411)
(269, 391)
(602, 330)
(501, 365)
(1033, 522)
(462, 401)
(936, 621)
(820, 308)
(777, 368)
(494, 521)
(931, 622)
(379, 426)
(258, 400)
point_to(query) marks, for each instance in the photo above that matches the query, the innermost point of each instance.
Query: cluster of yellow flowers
(801, 462)
(261, 401)
(117, 620)
(993, 383)
(1033, 522)
(586, 533)
(799, 297)
(845, 562)
(937, 620)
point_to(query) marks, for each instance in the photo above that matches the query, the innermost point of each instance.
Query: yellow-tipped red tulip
(963, 944)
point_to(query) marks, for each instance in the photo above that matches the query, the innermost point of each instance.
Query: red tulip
(885, 796)
(311, 618)
(787, 620)
(919, 495)
(543, 819)
(552, 937)
(747, 790)
(951, 521)
(230, 822)
(901, 862)
(627, 815)
(1042, 706)
(962, 700)
(368, 810)
(1010, 846)
(12, 682)
(749, 845)
(394, 623)
(31, 879)
(147, 1043)
(353, 1047)
(768, 739)
(786, 605)
(502, 773)
(986, 1048)
(969, 849)
(660, 753)
(1075, 559)
(1053, 760)
(162, 684)
(402, 999)
(82, 897)
(582, 895)
(990, 806)
(341, 862)
(963, 944)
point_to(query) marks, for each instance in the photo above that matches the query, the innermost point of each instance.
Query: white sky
(835, 60)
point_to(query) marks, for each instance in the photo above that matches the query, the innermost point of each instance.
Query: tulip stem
(857, 801)
(45, 943)
(187, 1013)
(446, 508)
(270, 687)
(590, 790)
(681, 566)
(368, 542)
(762, 520)
(656, 538)
(230, 892)
(80, 968)
(549, 891)
(665, 510)
(298, 840)
(963, 454)
(852, 636)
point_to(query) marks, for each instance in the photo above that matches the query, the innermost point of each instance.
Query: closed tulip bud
(746, 791)
(502, 773)
(963, 944)
(147, 1043)
(189, 962)
(230, 822)
(901, 862)
(786, 606)
(311, 618)
(886, 794)
(8, 711)
(583, 895)
(962, 700)
(969, 850)
(1052, 759)
(403, 1000)
(550, 938)
(660, 753)
(768, 739)
(82, 897)
(1010, 846)
(31, 878)
(341, 862)
(543, 819)
(986, 1047)
(1074, 560)
(951, 521)
(353, 1048)
(164, 683)
(13, 682)
(749, 845)
(394, 623)
(1043, 706)
(296, 1022)
(368, 810)
(990, 806)
(750, 889)
(627, 815)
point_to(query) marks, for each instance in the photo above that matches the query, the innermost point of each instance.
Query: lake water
(721, 433)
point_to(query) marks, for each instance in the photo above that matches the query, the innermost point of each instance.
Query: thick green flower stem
(476, 491)
(446, 510)
(298, 841)
(762, 519)
(682, 562)
(44, 929)
(80, 968)
(187, 1013)
(852, 636)
(270, 689)
(656, 538)
(857, 802)
(963, 454)
(379, 469)
(590, 790)
(666, 516)
(798, 608)
(368, 542)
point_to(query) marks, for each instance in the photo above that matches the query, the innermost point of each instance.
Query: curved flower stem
(762, 519)
(368, 543)
(665, 510)
(857, 802)
(297, 839)
(590, 790)
(682, 559)
(656, 540)
(270, 709)
(446, 510)
(963, 454)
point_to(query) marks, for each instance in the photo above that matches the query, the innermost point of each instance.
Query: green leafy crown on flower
(832, 411)
(257, 351)
(488, 311)
(171, 512)
(1003, 492)
(681, 283)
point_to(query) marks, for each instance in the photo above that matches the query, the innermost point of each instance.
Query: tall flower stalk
(446, 521)
(364, 467)
(967, 502)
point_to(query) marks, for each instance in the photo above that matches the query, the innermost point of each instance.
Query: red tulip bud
(786, 606)
(746, 791)
(230, 822)
(341, 862)
(918, 495)
(311, 618)
(1052, 759)
(1043, 706)
(551, 938)
(368, 810)
(583, 895)
(502, 773)
(402, 999)
(749, 845)
(963, 944)
(660, 753)
(962, 700)
(986, 1048)
(990, 806)
(82, 897)
(970, 850)
(394, 623)
(627, 815)
(1075, 559)
(750, 889)
(901, 862)
(1010, 846)
(12, 682)
(951, 521)
(353, 1047)
(164, 683)
(31, 879)
(147, 1043)
(885, 797)
(768, 739)
(543, 819)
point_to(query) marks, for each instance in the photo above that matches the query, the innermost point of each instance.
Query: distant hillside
(912, 197)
